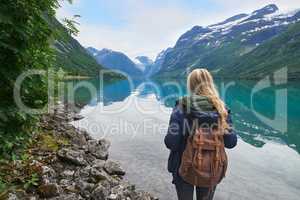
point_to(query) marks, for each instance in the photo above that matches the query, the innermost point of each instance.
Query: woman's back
(208, 110)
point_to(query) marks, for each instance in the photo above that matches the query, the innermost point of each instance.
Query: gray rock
(79, 140)
(77, 117)
(113, 197)
(48, 175)
(68, 185)
(75, 157)
(12, 196)
(85, 188)
(98, 164)
(68, 174)
(85, 133)
(71, 196)
(113, 168)
(99, 148)
(84, 174)
(100, 192)
(99, 175)
(145, 196)
(65, 182)
(68, 126)
(48, 190)
(89, 157)
(18, 195)
(123, 189)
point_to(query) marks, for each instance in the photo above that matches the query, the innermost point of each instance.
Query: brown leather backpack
(204, 160)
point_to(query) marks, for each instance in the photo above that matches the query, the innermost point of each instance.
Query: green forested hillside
(70, 55)
(281, 51)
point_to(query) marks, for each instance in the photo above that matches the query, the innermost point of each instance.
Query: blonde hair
(200, 82)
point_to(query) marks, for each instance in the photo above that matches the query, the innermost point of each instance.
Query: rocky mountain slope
(116, 60)
(141, 66)
(218, 47)
(281, 51)
(157, 64)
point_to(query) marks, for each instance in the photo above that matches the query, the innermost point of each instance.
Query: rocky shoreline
(78, 167)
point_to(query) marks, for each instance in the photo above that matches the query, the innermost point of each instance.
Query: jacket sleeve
(230, 139)
(174, 136)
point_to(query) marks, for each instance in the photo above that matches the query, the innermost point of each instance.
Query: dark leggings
(185, 191)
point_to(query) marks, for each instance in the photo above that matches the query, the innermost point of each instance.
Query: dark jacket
(180, 124)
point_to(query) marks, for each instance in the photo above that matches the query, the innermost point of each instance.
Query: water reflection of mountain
(237, 96)
(268, 102)
(251, 128)
(107, 93)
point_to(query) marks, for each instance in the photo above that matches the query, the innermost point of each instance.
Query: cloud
(148, 29)
(139, 27)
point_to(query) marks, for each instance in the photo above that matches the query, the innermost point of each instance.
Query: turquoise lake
(134, 117)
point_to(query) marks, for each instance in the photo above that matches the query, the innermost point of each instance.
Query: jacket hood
(199, 107)
(197, 103)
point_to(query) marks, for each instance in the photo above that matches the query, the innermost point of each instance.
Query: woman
(203, 104)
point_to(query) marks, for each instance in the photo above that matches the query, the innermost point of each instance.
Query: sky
(146, 27)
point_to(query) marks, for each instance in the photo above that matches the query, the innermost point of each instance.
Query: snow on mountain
(229, 23)
(115, 60)
(140, 65)
(231, 19)
(221, 42)
(282, 14)
(154, 67)
(142, 62)
(265, 10)
(270, 16)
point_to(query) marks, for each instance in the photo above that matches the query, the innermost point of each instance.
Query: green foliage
(31, 181)
(2, 186)
(32, 39)
(25, 39)
(48, 142)
(23, 174)
(71, 24)
(15, 131)
(29, 34)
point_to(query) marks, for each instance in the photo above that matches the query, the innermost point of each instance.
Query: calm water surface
(264, 165)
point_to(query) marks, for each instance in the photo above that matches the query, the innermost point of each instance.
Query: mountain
(218, 45)
(115, 60)
(157, 64)
(144, 60)
(70, 55)
(143, 63)
(281, 51)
